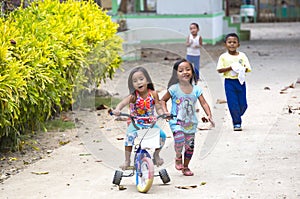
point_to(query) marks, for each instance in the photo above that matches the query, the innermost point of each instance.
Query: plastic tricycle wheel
(117, 177)
(164, 176)
(144, 175)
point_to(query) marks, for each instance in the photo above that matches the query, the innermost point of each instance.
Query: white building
(176, 15)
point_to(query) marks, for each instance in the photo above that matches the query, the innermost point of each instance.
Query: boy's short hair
(231, 35)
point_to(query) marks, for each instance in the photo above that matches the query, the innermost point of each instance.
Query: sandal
(187, 172)
(178, 163)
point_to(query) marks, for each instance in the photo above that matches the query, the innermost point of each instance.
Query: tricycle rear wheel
(164, 176)
(117, 177)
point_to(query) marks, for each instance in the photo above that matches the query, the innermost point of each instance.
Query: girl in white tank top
(194, 44)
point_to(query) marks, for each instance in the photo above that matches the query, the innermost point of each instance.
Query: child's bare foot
(157, 160)
(125, 165)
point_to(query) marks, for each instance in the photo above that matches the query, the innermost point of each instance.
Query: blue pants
(195, 60)
(236, 99)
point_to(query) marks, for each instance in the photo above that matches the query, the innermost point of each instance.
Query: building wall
(188, 6)
(211, 26)
(176, 16)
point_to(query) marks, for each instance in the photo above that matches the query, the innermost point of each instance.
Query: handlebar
(132, 118)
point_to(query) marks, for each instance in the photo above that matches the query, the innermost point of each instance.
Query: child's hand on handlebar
(168, 116)
(116, 112)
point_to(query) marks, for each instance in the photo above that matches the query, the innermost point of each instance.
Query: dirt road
(262, 161)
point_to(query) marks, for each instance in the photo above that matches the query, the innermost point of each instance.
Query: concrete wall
(176, 16)
(188, 6)
(211, 26)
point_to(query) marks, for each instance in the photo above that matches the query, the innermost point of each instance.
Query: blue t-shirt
(183, 105)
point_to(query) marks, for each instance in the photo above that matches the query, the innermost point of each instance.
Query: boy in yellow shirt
(234, 64)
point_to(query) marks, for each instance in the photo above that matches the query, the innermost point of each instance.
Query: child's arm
(158, 106)
(164, 100)
(121, 105)
(188, 43)
(223, 70)
(200, 41)
(206, 109)
(247, 64)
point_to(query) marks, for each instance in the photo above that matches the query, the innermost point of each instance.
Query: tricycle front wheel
(144, 175)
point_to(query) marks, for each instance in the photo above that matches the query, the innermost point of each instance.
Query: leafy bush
(49, 52)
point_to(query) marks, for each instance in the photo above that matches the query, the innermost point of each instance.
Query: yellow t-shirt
(226, 60)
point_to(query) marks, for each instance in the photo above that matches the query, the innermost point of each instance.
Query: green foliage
(50, 51)
(93, 102)
(59, 125)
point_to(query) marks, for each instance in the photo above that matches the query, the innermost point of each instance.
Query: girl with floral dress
(143, 101)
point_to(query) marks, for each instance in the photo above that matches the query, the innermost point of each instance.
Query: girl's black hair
(145, 72)
(174, 77)
(231, 35)
(195, 24)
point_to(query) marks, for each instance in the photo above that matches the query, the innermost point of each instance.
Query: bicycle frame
(143, 165)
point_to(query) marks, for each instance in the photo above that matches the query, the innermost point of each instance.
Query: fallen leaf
(203, 128)
(120, 138)
(204, 119)
(36, 148)
(121, 119)
(65, 118)
(221, 101)
(121, 187)
(84, 154)
(101, 107)
(12, 159)
(203, 183)
(25, 162)
(40, 173)
(287, 87)
(49, 151)
(64, 142)
(186, 187)
(238, 174)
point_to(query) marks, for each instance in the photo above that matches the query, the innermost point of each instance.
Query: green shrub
(49, 52)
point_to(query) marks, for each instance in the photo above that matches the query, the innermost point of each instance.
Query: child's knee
(178, 137)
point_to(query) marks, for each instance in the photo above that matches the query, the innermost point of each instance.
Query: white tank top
(191, 50)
